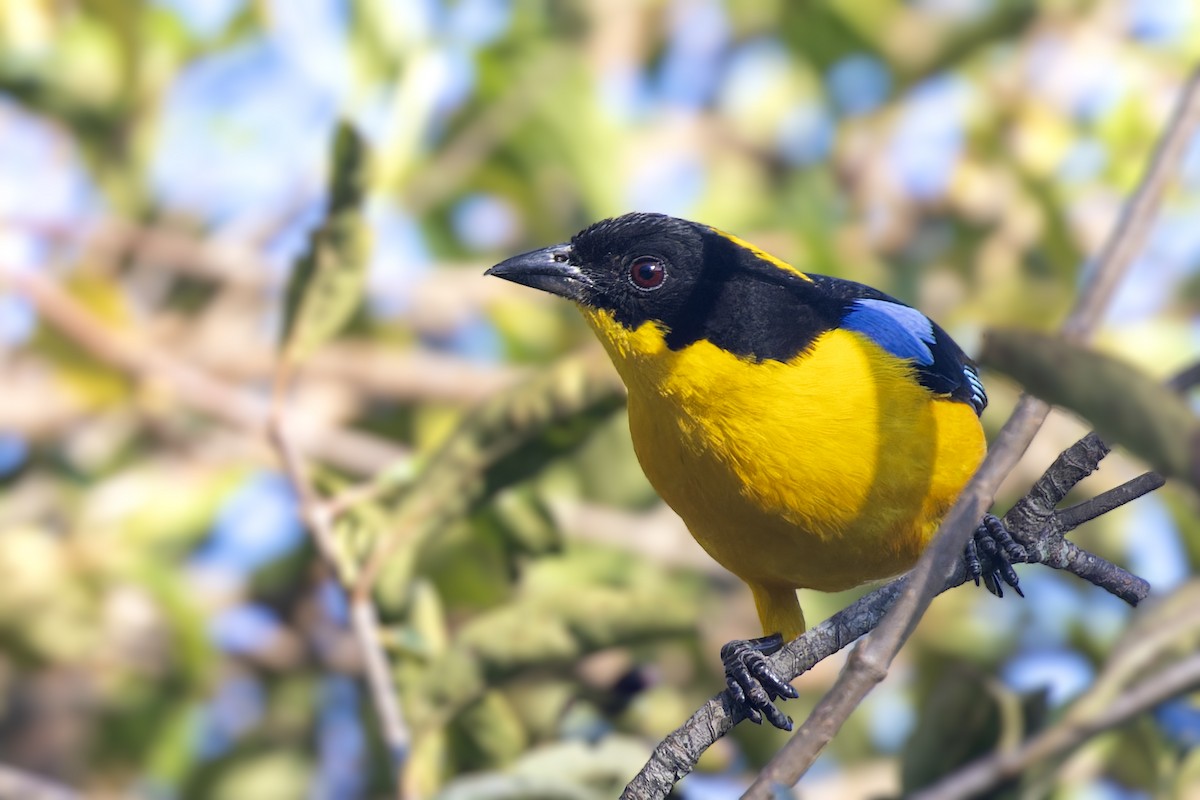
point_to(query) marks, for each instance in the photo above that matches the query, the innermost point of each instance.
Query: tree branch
(363, 620)
(18, 783)
(194, 388)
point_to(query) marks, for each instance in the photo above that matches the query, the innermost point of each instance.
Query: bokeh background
(165, 630)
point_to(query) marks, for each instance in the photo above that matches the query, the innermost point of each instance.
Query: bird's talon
(753, 685)
(779, 719)
(974, 568)
(989, 554)
(762, 673)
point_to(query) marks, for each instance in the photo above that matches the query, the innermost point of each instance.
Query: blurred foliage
(1119, 401)
(164, 626)
(326, 284)
(967, 717)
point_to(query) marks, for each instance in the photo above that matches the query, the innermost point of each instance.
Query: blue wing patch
(940, 365)
(902, 331)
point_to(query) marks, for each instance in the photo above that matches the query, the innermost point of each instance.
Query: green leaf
(525, 522)
(1188, 774)
(172, 751)
(190, 644)
(1125, 405)
(327, 282)
(489, 733)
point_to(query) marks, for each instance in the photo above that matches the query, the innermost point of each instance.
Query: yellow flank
(765, 256)
(824, 472)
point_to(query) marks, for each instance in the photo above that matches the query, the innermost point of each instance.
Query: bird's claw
(752, 683)
(990, 554)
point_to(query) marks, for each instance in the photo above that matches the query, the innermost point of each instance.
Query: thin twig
(1035, 521)
(1133, 229)
(1070, 467)
(1052, 548)
(435, 301)
(410, 374)
(1150, 641)
(395, 733)
(1073, 516)
(365, 492)
(1094, 569)
(316, 517)
(363, 619)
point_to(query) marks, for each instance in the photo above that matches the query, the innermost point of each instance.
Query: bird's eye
(647, 273)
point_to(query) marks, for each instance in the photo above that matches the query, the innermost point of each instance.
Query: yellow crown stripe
(765, 256)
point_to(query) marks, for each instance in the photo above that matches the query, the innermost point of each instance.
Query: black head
(632, 265)
(694, 281)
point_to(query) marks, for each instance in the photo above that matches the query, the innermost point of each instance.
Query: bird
(810, 431)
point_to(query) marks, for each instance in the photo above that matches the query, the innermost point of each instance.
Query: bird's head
(651, 268)
(638, 267)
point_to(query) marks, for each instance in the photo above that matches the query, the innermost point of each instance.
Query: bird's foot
(752, 683)
(990, 555)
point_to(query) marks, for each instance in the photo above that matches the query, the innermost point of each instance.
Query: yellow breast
(824, 472)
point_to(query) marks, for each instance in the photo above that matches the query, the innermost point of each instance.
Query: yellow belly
(824, 473)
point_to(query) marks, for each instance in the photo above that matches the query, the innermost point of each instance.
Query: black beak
(549, 269)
